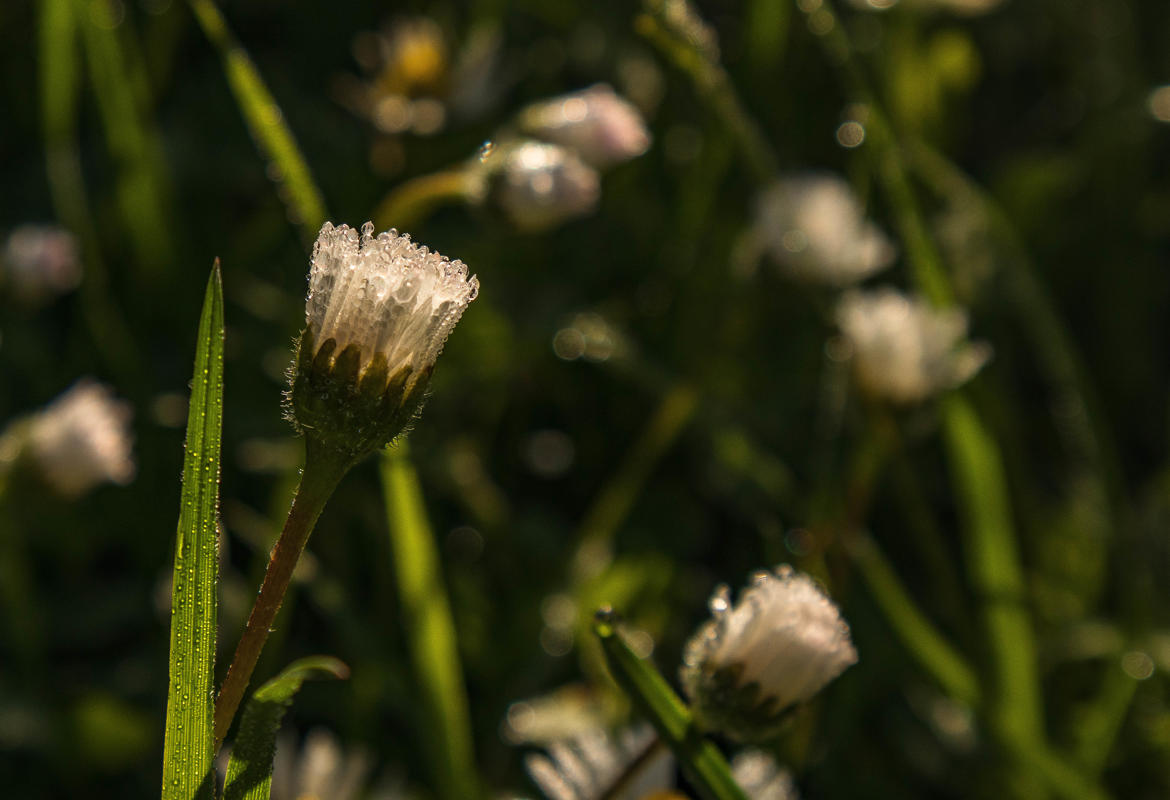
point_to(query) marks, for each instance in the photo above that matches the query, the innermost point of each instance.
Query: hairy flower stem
(323, 470)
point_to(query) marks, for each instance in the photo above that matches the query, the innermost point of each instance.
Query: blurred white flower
(588, 766)
(539, 185)
(40, 262)
(967, 8)
(378, 313)
(82, 439)
(903, 349)
(603, 128)
(814, 227)
(776, 648)
(761, 778)
(322, 770)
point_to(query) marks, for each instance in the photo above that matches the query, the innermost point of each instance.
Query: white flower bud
(588, 766)
(761, 778)
(40, 262)
(82, 439)
(903, 349)
(603, 128)
(814, 227)
(776, 648)
(378, 313)
(540, 185)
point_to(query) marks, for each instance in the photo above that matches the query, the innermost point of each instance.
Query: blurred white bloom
(602, 127)
(40, 262)
(814, 226)
(378, 313)
(761, 778)
(903, 349)
(320, 771)
(539, 185)
(968, 8)
(587, 767)
(570, 711)
(776, 648)
(82, 439)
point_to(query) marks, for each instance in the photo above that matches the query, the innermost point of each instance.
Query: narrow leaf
(265, 121)
(249, 775)
(701, 760)
(187, 751)
(431, 631)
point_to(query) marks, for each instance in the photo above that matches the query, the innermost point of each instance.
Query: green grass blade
(265, 121)
(187, 751)
(132, 142)
(936, 655)
(249, 774)
(431, 631)
(701, 760)
(993, 567)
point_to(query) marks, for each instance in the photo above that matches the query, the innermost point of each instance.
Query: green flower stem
(714, 87)
(613, 503)
(414, 200)
(430, 628)
(323, 470)
(704, 765)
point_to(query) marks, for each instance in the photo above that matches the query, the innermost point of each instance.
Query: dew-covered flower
(587, 767)
(378, 312)
(82, 439)
(815, 228)
(903, 349)
(761, 778)
(602, 127)
(39, 263)
(539, 185)
(776, 648)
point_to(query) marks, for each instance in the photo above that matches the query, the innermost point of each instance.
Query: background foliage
(703, 431)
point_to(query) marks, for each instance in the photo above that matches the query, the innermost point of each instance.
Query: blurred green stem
(701, 760)
(265, 122)
(430, 628)
(712, 83)
(413, 201)
(613, 503)
(323, 470)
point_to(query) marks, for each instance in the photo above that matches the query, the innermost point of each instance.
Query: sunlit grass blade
(430, 629)
(187, 751)
(132, 141)
(265, 121)
(936, 655)
(249, 774)
(60, 83)
(701, 760)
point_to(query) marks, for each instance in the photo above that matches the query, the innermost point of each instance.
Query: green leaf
(249, 775)
(187, 751)
(701, 760)
(265, 121)
(431, 631)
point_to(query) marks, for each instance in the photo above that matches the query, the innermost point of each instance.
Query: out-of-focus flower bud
(603, 128)
(39, 263)
(539, 185)
(903, 349)
(813, 226)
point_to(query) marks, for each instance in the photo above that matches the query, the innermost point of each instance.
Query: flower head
(82, 439)
(588, 766)
(602, 127)
(813, 226)
(776, 648)
(761, 778)
(539, 185)
(40, 262)
(378, 313)
(903, 349)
